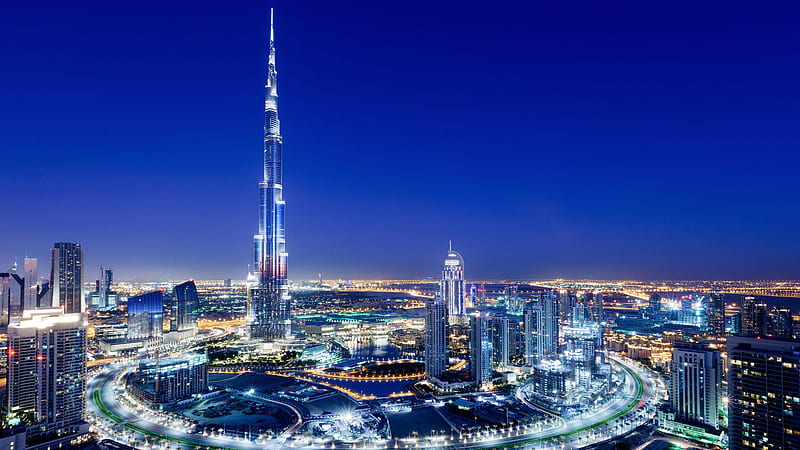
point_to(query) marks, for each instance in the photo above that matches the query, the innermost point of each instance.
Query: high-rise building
(764, 393)
(30, 267)
(501, 340)
(166, 380)
(716, 314)
(695, 384)
(16, 294)
(146, 315)
(531, 319)
(480, 349)
(66, 277)
(47, 372)
(754, 317)
(541, 328)
(435, 338)
(268, 305)
(185, 307)
(782, 322)
(452, 286)
(5, 299)
(103, 298)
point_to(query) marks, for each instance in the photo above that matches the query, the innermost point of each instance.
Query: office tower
(66, 277)
(567, 301)
(47, 372)
(16, 295)
(30, 266)
(695, 384)
(530, 318)
(185, 307)
(763, 392)
(5, 299)
(716, 314)
(268, 305)
(435, 338)
(480, 349)
(755, 319)
(103, 298)
(541, 328)
(501, 341)
(548, 328)
(452, 286)
(782, 323)
(655, 302)
(165, 380)
(146, 315)
(594, 302)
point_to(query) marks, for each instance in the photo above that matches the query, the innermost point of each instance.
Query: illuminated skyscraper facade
(185, 307)
(435, 338)
(146, 315)
(715, 310)
(696, 384)
(47, 372)
(452, 286)
(66, 277)
(268, 306)
(480, 346)
(30, 266)
(764, 393)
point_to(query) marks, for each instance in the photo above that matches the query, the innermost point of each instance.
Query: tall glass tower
(452, 286)
(268, 309)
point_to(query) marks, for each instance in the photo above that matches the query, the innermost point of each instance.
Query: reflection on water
(378, 348)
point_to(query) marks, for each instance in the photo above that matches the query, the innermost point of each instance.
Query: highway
(631, 407)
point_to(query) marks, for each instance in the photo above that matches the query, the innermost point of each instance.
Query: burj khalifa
(268, 305)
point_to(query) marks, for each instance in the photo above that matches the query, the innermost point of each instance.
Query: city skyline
(578, 184)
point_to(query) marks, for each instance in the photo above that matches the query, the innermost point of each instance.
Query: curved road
(637, 392)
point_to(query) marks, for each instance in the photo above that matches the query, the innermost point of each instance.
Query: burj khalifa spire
(268, 305)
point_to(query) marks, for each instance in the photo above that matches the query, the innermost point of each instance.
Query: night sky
(552, 139)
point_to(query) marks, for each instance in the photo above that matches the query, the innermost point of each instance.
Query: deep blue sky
(545, 138)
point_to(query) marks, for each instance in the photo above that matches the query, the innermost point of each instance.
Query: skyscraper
(435, 338)
(480, 349)
(695, 384)
(754, 317)
(66, 277)
(541, 328)
(47, 372)
(452, 286)
(185, 308)
(764, 393)
(268, 306)
(30, 266)
(501, 340)
(716, 314)
(146, 315)
(782, 323)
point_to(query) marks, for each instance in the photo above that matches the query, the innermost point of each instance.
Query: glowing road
(635, 404)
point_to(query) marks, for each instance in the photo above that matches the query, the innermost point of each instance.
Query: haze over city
(619, 142)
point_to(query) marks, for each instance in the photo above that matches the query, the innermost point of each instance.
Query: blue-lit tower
(268, 308)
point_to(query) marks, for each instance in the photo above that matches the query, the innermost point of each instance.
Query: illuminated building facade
(185, 307)
(716, 314)
(541, 328)
(268, 306)
(480, 348)
(146, 315)
(695, 384)
(30, 267)
(166, 380)
(47, 372)
(435, 338)
(452, 286)
(501, 340)
(754, 317)
(66, 277)
(764, 393)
